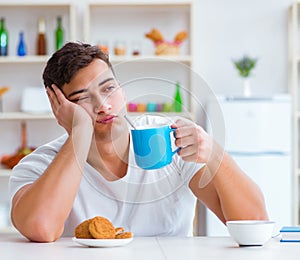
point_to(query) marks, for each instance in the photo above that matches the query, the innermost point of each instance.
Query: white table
(144, 248)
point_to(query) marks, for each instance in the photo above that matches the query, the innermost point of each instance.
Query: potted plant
(244, 66)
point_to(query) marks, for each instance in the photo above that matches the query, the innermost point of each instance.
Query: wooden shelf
(24, 116)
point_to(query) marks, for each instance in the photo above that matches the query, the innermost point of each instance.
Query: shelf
(23, 16)
(153, 3)
(28, 116)
(24, 116)
(8, 230)
(153, 58)
(164, 114)
(114, 59)
(294, 62)
(34, 4)
(5, 172)
(169, 17)
(25, 59)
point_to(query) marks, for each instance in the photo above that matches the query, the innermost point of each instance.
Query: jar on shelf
(151, 107)
(132, 107)
(159, 107)
(120, 48)
(167, 107)
(136, 48)
(103, 46)
(141, 107)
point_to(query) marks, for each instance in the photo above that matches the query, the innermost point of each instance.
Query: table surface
(14, 246)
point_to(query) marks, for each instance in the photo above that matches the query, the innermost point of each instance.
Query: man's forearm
(240, 197)
(40, 210)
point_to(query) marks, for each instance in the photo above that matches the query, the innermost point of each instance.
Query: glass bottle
(59, 34)
(21, 47)
(3, 38)
(41, 39)
(177, 103)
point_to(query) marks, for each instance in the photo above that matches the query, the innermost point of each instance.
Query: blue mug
(152, 146)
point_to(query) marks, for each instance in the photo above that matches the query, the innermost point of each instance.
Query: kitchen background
(226, 30)
(220, 32)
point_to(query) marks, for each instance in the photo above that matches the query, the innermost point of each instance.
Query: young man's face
(97, 91)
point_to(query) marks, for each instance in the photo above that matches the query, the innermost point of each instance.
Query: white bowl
(250, 232)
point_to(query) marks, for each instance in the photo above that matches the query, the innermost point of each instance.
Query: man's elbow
(39, 231)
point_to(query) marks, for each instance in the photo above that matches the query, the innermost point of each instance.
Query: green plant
(245, 65)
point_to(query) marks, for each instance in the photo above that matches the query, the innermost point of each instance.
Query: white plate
(102, 242)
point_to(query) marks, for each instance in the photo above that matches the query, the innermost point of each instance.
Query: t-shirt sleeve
(30, 168)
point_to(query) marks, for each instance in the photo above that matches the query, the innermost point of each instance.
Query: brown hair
(67, 61)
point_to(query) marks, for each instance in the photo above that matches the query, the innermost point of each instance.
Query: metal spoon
(129, 121)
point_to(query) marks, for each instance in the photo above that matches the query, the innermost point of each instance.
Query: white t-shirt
(148, 203)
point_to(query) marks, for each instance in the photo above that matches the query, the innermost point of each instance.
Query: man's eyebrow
(85, 89)
(77, 92)
(104, 81)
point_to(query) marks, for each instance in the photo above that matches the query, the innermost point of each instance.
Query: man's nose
(101, 105)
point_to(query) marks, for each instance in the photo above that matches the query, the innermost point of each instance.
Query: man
(91, 171)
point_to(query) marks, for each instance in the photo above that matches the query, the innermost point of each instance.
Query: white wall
(226, 30)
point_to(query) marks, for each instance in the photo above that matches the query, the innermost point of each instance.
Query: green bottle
(177, 103)
(59, 34)
(3, 38)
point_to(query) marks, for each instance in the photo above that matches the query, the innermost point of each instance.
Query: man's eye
(110, 88)
(76, 100)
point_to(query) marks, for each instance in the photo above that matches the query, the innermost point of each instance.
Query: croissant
(3, 90)
(181, 36)
(155, 35)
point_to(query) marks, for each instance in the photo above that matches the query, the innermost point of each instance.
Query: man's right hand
(67, 113)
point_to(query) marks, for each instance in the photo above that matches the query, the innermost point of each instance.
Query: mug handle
(176, 150)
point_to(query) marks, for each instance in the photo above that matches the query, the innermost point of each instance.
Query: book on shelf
(290, 234)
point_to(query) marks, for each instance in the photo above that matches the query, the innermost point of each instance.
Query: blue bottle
(21, 46)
